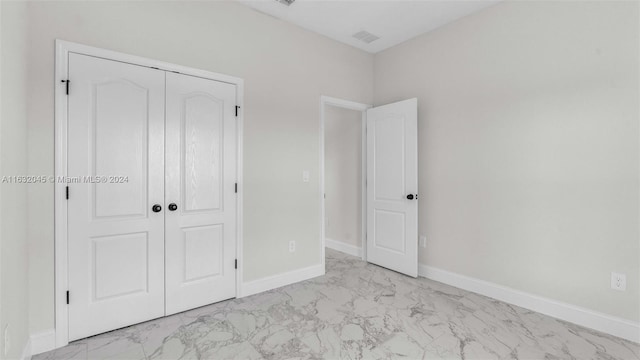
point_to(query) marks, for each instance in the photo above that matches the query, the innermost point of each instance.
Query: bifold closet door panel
(116, 156)
(200, 224)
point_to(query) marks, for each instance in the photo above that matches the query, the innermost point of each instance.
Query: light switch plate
(305, 176)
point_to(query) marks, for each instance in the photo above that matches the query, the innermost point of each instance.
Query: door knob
(411, 196)
(173, 207)
(156, 208)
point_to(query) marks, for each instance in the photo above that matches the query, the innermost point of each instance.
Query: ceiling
(393, 21)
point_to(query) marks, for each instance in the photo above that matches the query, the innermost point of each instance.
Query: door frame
(63, 49)
(350, 105)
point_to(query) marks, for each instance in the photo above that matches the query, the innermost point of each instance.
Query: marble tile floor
(356, 311)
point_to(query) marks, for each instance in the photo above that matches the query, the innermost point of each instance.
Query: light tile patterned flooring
(356, 311)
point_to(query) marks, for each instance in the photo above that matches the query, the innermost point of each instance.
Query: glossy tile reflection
(355, 311)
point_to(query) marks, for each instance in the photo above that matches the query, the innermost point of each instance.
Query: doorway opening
(343, 176)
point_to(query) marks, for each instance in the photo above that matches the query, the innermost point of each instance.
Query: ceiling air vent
(365, 37)
(286, 2)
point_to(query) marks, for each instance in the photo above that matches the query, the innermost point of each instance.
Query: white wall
(13, 162)
(285, 69)
(343, 179)
(528, 136)
(528, 147)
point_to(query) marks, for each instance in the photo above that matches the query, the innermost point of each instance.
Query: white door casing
(115, 242)
(392, 178)
(200, 181)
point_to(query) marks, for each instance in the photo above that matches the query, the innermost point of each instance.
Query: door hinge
(236, 188)
(236, 264)
(66, 192)
(67, 297)
(67, 85)
(237, 107)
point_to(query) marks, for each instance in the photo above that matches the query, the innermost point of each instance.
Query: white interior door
(200, 192)
(115, 241)
(392, 186)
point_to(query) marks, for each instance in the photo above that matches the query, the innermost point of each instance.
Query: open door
(392, 186)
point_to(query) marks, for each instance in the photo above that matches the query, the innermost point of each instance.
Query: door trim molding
(63, 48)
(351, 105)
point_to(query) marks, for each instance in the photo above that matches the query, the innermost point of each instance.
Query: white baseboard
(26, 351)
(43, 341)
(588, 318)
(279, 280)
(343, 247)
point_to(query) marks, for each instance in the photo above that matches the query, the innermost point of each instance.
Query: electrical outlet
(305, 176)
(423, 241)
(7, 340)
(292, 246)
(618, 281)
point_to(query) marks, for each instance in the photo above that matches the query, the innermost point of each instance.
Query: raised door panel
(119, 148)
(389, 158)
(203, 252)
(119, 265)
(390, 231)
(202, 152)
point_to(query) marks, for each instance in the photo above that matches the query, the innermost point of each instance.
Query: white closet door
(200, 192)
(392, 186)
(116, 241)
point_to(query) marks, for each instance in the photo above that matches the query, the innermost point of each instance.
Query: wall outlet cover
(7, 341)
(292, 246)
(423, 241)
(618, 281)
